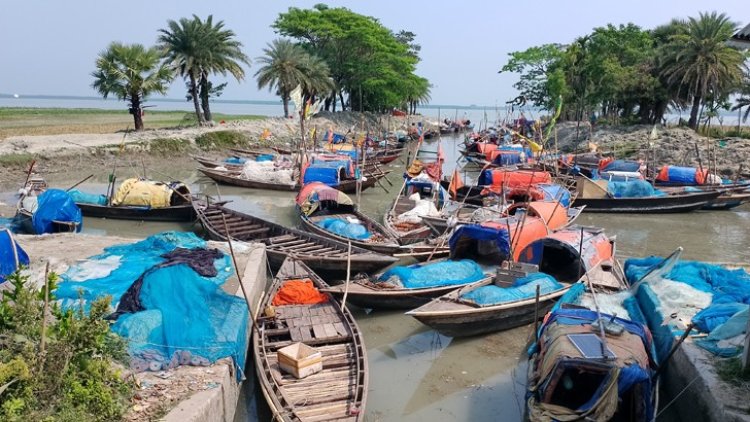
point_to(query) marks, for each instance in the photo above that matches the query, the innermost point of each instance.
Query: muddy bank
(661, 145)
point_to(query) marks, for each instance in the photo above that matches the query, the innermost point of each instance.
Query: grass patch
(221, 139)
(56, 121)
(16, 159)
(730, 371)
(168, 145)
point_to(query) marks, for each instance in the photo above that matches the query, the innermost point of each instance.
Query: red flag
(440, 154)
(456, 184)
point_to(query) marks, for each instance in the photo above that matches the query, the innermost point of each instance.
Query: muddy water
(415, 373)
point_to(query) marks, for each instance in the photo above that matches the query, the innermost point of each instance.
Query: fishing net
(341, 227)
(523, 288)
(171, 307)
(444, 273)
(266, 171)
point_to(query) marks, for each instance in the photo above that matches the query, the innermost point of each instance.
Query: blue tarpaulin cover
(238, 160)
(188, 318)
(344, 228)
(555, 192)
(12, 256)
(55, 204)
(436, 274)
(507, 159)
(327, 175)
(684, 175)
(633, 189)
(622, 165)
(87, 198)
(523, 288)
(478, 232)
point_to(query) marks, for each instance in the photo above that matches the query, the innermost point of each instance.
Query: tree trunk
(135, 109)
(341, 98)
(693, 122)
(194, 94)
(204, 98)
(285, 100)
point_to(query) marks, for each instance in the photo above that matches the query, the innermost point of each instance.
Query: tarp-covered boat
(41, 210)
(636, 197)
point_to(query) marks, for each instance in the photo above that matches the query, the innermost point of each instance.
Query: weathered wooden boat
(588, 365)
(180, 207)
(27, 205)
(412, 229)
(338, 392)
(320, 253)
(732, 196)
(318, 203)
(675, 203)
(564, 256)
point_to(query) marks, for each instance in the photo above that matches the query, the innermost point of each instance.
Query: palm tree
(418, 92)
(739, 103)
(318, 81)
(286, 65)
(698, 61)
(131, 72)
(196, 49)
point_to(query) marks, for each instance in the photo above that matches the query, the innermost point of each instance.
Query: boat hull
(174, 213)
(653, 205)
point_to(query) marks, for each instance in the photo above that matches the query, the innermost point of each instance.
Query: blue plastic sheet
(716, 315)
(327, 175)
(57, 205)
(188, 318)
(237, 160)
(344, 228)
(443, 273)
(632, 189)
(507, 159)
(485, 178)
(555, 192)
(523, 288)
(732, 327)
(12, 256)
(265, 157)
(481, 233)
(622, 165)
(87, 198)
(684, 175)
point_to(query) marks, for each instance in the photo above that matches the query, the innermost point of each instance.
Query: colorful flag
(265, 134)
(456, 184)
(440, 153)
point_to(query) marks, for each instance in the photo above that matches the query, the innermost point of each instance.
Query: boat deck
(316, 324)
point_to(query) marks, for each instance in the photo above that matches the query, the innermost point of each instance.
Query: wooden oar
(87, 178)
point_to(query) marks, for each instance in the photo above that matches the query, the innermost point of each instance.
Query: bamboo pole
(237, 270)
(348, 275)
(42, 341)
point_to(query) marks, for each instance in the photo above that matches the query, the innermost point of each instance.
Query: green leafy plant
(56, 364)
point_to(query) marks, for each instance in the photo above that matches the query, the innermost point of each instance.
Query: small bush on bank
(16, 160)
(168, 145)
(221, 139)
(61, 371)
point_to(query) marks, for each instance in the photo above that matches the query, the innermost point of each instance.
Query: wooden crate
(300, 360)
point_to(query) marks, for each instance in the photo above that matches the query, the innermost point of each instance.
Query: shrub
(168, 145)
(61, 371)
(221, 139)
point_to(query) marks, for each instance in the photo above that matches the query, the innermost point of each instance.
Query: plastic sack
(55, 205)
(523, 288)
(443, 273)
(87, 198)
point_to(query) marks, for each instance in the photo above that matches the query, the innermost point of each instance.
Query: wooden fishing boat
(565, 256)
(338, 392)
(213, 163)
(27, 205)
(411, 230)
(180, 208)
(320, 253)
(317, 203)
(675, 203)
(732, 196)
(232, 177)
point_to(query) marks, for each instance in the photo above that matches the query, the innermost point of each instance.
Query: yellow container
(300, 360)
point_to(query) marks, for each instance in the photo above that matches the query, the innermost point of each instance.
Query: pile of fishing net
(633, 189)
(523, 288)
(443, 273)
(348, 229)
(268, 172)
(87, 198)
(170, 304)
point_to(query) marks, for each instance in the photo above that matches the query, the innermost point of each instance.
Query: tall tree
(284, 65)
(132, 73)
(197, 49)
(699, 61)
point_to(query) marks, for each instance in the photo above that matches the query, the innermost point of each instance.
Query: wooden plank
(295, 334)
(282, 238)
(320, 332)
(330, 330)
(340, 328)
(305, 331)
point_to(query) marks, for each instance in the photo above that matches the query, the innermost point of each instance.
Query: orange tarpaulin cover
(515, 179)
(487, 150)
(298, 292)
(522, 232)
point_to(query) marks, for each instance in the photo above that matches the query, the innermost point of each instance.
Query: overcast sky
(48, 47)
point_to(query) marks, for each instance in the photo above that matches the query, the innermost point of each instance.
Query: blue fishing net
(237, 160)
(622, 165)
(55, 205)
(344, 228)
(443, 273)
(186, 318)
(523, 288)
(87, 198)
(265, 157)
(9, 223)
(633, 189)
(12, 256)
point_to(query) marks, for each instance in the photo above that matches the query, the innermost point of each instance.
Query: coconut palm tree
(697, 60)
(418, 92)
(131, 72)
(318, 82)
(739, 103)
(197, 49)
(286, 65)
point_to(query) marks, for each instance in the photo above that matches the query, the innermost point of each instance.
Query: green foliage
(167, 146)
(221, 139)
(533, 64)
(131, 73)
(71, 377)
(367, 61)
(16, 159)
